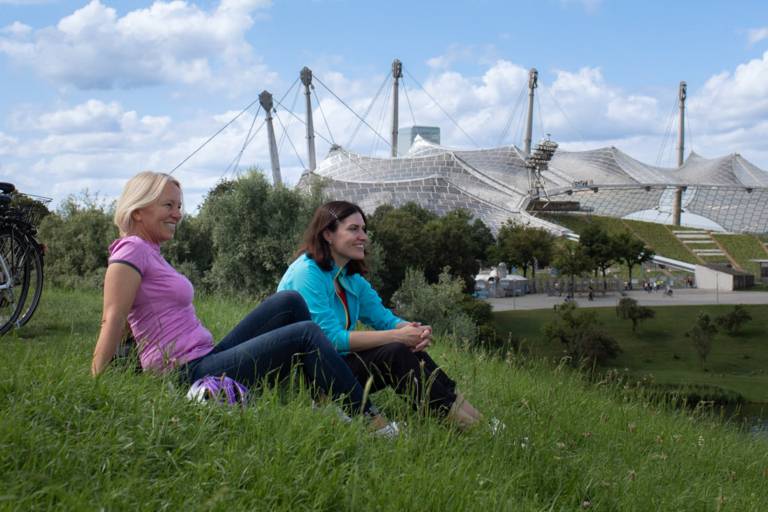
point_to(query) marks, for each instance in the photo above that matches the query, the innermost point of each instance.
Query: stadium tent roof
(493, 183)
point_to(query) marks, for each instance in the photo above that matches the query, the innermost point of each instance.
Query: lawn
(744, 248)
(660, 348)
(132, 442)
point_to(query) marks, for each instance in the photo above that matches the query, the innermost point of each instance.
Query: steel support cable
(512, 116)
(667, 134)
(575, 128)
(249, 138)
(410, 107)
(367, 110)
(290, 141)
(382, 119)
(443, 110)
(302, 121)
(201, 146)
(350, 108)
(285, 132)
(245, 143)
(322, 113)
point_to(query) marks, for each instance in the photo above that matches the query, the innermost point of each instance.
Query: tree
(255, 229)
(599, 247)
(77, 236)
(581, 334)
(484, 241)
(400, 234)
(628, 309)
(452, 242)
(701, 335)
(733, 321)
(524, 246)
(631, 251)
(571, 260)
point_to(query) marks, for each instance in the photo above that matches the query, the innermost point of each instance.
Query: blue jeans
(270, 341)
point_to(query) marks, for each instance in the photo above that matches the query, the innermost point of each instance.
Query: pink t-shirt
(162, 318)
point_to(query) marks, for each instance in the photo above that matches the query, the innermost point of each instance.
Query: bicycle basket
(30, 208)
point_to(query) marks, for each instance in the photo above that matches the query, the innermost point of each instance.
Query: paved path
(681, 297)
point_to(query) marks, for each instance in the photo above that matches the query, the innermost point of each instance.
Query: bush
(77, 237)
(628, 309)
(581, 334)
(255, 229)
(733, 321)
(438, 305)
(701, 335)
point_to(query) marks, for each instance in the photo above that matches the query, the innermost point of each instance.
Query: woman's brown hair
(329, 216)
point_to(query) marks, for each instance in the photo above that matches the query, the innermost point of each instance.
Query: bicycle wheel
(14, 281)
(33, 259)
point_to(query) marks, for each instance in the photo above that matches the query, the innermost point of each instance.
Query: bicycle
(21, 256)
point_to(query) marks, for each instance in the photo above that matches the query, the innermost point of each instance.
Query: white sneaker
(389, 431)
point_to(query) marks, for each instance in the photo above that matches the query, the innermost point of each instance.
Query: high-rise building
(406, 136)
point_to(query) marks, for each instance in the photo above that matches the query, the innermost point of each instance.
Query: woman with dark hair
(142, 288)
(328, 272)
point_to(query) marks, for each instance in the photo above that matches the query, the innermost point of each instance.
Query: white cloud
(731, 100)
(16, 29)
(168, 42)
(756, 35)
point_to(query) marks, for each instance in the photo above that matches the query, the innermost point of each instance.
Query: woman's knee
(295, 302)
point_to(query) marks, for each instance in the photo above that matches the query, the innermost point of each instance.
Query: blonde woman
(140, 286)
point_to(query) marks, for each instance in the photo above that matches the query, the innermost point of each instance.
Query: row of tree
(597, 250)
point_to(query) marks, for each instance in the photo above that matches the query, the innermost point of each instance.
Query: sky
(92, 92)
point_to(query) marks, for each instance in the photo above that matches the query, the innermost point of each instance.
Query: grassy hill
(128, 442)
(741, 248)
(660, 348)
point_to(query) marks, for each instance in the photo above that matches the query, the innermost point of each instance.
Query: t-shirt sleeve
(372, 311)
(131, 252)
(310, 282)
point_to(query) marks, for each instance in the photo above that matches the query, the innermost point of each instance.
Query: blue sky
(93, 92)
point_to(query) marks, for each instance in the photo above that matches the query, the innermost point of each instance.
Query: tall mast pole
(677, 201)
(397, 74)
(533, 82)
(306, 79)
(681, 131)
(265, 98)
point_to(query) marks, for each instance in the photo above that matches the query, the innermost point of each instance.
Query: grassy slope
(744, 248)
(736, 363)
(132, 442)
(658, 236)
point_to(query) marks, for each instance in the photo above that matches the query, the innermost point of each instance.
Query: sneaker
(390, 431)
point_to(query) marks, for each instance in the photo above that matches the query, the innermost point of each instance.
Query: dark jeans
(270, 341)
(411, 374)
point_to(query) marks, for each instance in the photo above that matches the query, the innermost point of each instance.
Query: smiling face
(348, 241)
(157, 221)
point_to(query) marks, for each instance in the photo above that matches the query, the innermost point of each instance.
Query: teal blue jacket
(327, 310)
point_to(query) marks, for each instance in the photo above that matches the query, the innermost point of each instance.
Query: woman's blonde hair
(140, 191)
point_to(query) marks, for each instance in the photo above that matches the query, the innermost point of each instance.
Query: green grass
(743, 248)
(132, 442)
(657, 236)
(660, 348)
(661, 239)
